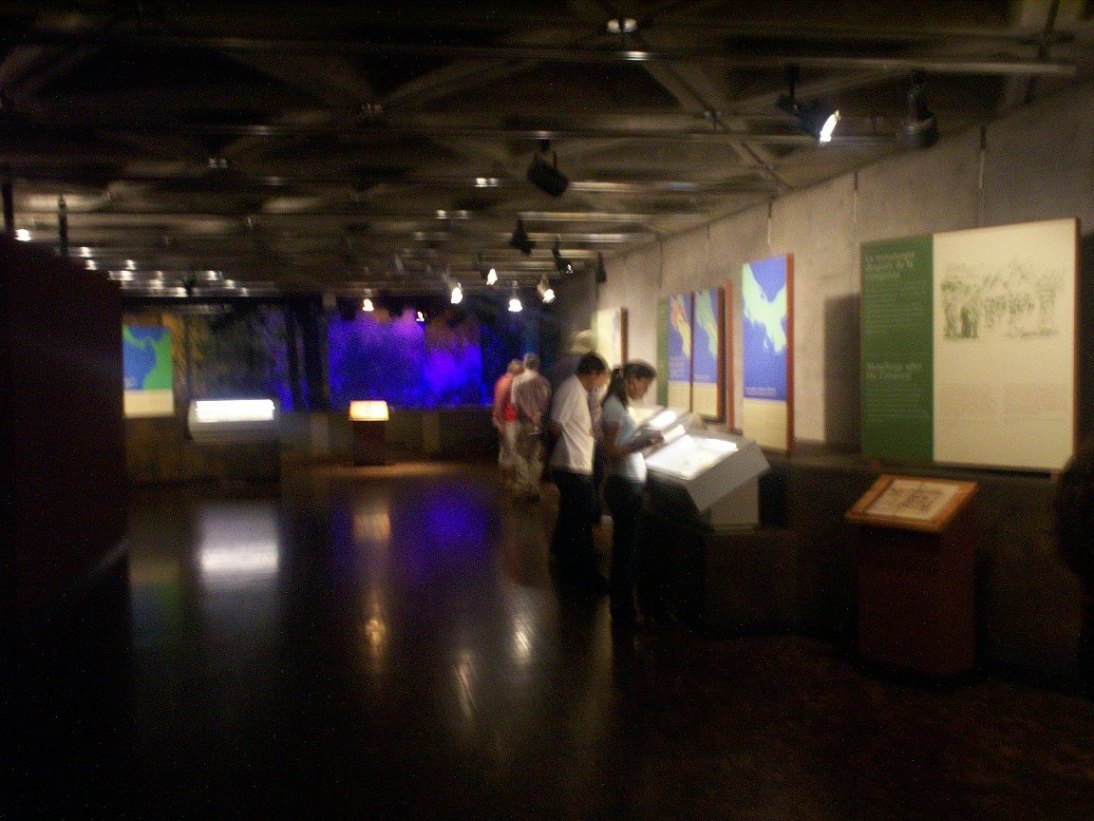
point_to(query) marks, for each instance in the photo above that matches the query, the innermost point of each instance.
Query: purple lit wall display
(407, 363)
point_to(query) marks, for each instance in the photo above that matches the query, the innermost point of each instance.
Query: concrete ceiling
(334, 147)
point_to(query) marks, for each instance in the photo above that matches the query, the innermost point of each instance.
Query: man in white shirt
(572, 470)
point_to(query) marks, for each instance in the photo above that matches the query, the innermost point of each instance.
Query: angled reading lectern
(917, 556)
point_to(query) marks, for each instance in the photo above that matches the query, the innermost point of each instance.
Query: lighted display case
(719, 474)
(232, 420)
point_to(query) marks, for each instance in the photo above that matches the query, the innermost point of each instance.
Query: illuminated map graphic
(764, 332)
(146, 357)
(704, 364)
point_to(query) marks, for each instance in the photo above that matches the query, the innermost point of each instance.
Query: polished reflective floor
(388, 643)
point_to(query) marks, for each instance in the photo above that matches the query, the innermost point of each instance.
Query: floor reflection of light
(239, 545)
(240, 559)
(376, 634)
(525, 610)
(522, 643)
(371, 524)
(465, 683)
(375, 627)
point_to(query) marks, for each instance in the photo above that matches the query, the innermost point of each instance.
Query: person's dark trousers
(572, 542)
(1086, 648)
(598, 480)
(624, 498)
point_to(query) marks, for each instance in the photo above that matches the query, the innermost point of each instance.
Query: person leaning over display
(624, 482)
(572, 469)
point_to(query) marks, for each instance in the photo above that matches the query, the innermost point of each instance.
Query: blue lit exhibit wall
(407, 363)
(451, 360)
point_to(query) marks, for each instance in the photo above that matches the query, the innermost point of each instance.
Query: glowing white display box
(232, 420)
(368, 410)
(719, 472)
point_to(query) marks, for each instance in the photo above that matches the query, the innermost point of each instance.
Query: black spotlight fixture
(520, 239)
(545, 175)
(814, 117)
(562, 265)
(601, 271)
(921, 127)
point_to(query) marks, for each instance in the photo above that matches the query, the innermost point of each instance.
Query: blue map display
(680, 338)
(764, 330)
(146, 357)
(707, 340)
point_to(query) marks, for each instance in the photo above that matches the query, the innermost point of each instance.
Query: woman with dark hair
(624, 482)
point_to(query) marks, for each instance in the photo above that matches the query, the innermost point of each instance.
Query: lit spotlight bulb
(492, 277)
(514, 301)
(367, 305)
(546, 292)
(420, 317)
(457, 294)
(828, 128)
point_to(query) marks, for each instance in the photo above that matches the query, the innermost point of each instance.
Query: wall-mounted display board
(911, 503)
(707, 381)
(610, 333)
(146, 359)
(680, 309)
(969, 346)
(767, 351)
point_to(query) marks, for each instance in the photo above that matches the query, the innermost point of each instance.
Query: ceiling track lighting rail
(723, 57)
(281, 131)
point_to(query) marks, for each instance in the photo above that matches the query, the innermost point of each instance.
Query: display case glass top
(687, 456)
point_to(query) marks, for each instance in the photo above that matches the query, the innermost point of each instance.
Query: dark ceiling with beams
(298, 147)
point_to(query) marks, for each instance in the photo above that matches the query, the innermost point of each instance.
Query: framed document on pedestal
(912, 503)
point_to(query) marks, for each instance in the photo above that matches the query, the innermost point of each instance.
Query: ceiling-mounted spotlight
(457, 293)
(420, 316)
(520, 239)
(546, 292)
(514, 300)
(563, 265)
(367, 306)
(544, 175)
(601, 271)
(921, 127)
(814, 117)
(489, 272)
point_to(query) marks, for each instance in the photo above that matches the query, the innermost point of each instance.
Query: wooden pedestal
(916, 580)
(368, 442)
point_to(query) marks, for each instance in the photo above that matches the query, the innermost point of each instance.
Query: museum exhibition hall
(263, 267)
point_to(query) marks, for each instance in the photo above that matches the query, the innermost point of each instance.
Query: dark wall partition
(62, 440)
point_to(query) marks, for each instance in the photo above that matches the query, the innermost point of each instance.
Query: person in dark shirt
(1074, 507)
